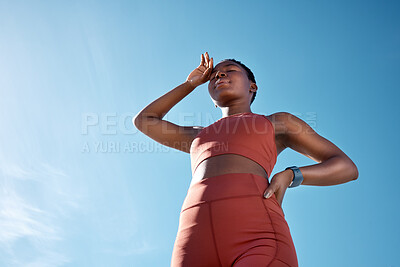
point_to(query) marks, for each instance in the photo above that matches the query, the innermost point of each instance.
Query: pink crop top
(247, 134)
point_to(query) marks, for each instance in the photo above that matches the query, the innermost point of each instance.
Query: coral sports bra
(248, 134)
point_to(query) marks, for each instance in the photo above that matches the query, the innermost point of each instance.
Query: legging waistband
(229, 185)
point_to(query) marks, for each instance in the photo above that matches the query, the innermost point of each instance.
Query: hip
(227, 218)
(231, 186)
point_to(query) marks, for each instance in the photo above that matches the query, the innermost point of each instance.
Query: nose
(220, 74)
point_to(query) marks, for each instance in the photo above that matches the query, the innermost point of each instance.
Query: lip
(219, 82)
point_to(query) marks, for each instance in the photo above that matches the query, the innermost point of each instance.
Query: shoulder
(299, 136)
(281, 121)
(280, 116)
(286, 123)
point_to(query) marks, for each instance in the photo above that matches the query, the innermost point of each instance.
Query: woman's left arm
(333, 167)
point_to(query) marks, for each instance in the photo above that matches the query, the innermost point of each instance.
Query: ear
(253, 87)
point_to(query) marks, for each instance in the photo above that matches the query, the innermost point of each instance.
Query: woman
(232, 215)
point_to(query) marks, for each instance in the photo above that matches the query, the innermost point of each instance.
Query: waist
(230, 185)
(227, 163)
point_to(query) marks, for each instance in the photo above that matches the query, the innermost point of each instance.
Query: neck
(231, 111)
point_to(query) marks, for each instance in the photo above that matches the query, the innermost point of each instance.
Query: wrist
(297, 176)
(190, 84)
(290, 175)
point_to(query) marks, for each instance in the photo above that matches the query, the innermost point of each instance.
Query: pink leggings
(225, 221)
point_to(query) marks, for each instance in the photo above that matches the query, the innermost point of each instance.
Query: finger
(268, 193)
(280, 195)
(206, 75)
(270, 189)
(207, 58)
(279, 199)
(207, 70)
(202, 60)
(210, 65)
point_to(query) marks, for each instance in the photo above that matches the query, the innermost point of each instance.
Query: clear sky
(80, 186)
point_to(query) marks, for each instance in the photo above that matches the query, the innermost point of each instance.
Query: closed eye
(213, 76)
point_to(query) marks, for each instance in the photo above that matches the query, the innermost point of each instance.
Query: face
(229, 81)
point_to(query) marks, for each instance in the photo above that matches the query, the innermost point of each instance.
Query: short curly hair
(250, 74)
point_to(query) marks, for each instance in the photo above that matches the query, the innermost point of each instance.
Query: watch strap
(298, 176)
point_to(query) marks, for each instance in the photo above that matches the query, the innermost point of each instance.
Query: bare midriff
(227, 163)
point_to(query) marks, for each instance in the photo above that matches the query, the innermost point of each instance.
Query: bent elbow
(355, 172)
(350, 168)
(135, 121)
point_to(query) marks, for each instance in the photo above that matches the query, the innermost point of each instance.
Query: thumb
(268, 192)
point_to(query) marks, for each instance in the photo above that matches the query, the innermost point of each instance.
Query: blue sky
(80, 186)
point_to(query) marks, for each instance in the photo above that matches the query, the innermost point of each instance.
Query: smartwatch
(298, 177)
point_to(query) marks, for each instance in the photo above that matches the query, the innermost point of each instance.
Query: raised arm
(149, 119)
